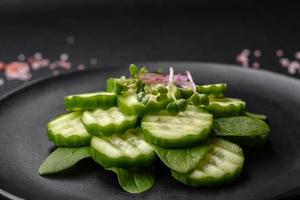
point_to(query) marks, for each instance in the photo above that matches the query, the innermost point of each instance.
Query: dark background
(118, 31)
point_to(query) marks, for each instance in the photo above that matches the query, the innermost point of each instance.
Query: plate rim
(116, 66)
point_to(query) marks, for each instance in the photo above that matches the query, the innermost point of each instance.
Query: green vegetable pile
(193, 129)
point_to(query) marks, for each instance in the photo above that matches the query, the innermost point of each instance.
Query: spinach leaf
(63, 158)
(256, 115)
(135, 180)
(249, 131)
(182, 160)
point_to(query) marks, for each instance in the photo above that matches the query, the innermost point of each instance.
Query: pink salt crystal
(35, 65)
(64, 64)
(297, 55)
(81, 67)
(246, 52)
(17, 70)
(52, 66)
(293, 67)
(257, 53)
(284, 62)
(279, 53)
(38, 56)
(64, 57)
(255, 65)
(2, 66)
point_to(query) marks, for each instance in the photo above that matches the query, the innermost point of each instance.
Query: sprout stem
(190, 78)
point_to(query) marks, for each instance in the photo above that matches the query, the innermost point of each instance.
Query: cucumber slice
(106, 122)
(126, 150)
(128, 103)
(223, 107)
(243, 130)
(222, 164)
(215, 90)
(180, 130)
(182, 160)
(67, 130)
(90, 101)
(111, 84)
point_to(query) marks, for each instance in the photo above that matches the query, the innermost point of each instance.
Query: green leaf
(133, 69)
(244, 130)
(256, 115)
(63, 158)
(135, 180)
(182, 160)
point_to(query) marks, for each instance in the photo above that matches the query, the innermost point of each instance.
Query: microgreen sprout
(196, 98)
(177, 104)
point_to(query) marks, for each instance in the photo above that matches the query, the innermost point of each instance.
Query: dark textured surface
(270, 173)
(148, 30)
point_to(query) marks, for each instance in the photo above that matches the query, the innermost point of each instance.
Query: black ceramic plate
(270, 173)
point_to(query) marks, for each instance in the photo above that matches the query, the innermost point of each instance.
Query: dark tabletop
(98, 33)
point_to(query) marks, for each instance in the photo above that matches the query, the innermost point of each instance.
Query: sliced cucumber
(182, 160)
(106, 122)
(90, 101)
(111, 84)
(129, 104)
(215, 90)
(180, 130)
(223, 163)
(243, 130)
(223, 107)
(126, 150)
(67, 130)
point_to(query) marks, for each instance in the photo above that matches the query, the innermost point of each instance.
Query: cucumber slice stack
(223, 162)
(193, 129)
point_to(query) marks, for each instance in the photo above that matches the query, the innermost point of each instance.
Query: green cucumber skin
(183, 142)
(209, 181)
(111, 84)
(225, 111)
(77, 102)
(188, 179)
(72, 141)
(96, 130)
(215, 90)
